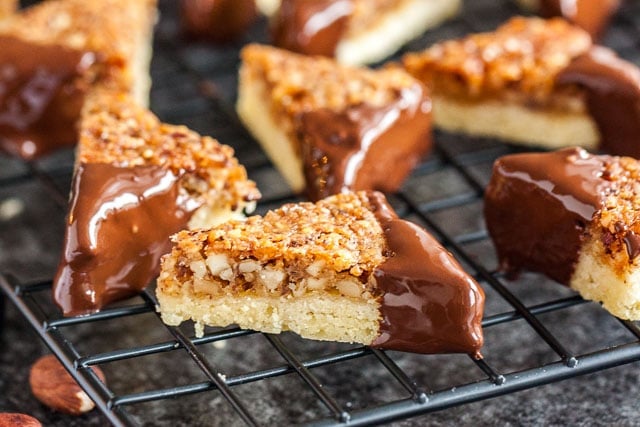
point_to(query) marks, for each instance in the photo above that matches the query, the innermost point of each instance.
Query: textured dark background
(195, 84)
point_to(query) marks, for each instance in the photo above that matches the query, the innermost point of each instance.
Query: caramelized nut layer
(299, 83)
(117, 131)
(520, 58)
(619, 217)
(338, 239)
(72, 24)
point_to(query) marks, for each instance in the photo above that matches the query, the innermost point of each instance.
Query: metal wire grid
(456, 157)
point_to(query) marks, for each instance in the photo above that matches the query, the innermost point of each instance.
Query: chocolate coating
(41, 94)
(429, 304)
(538, 207)
(217, 20)
(612, 86)
(632, 243)
(364, 147)
(118, 227)
(311, 27)
(591, 15)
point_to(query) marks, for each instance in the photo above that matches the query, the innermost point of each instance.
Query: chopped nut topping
(300, 83)
(620, 215)
(522, 56)
(117, 131)
(339, 239)
(74, 26)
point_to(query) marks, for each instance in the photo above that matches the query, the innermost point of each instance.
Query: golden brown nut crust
(299, 83)
(620, 215)
(340, 233)
(91, 25)
(522, 56)
(73, 23)
(116, 130)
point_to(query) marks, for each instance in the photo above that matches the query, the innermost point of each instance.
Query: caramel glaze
(311, 27)
(220, 21)
(364, 147)
(612, 88)
(118, 227)
(429, 304)
(591, 15)
(538, 207)
(41, 94)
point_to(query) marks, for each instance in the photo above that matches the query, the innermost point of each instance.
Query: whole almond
(18, 420)
(52, 385)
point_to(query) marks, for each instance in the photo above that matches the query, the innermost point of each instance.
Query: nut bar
(53, 53)
(534, 81)
(331, 128)
(574, 217)
(343, 269)
(355, 32)
(136, 182)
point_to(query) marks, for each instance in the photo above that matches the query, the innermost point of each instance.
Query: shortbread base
(394, 30)
(206, 216)
(597, 278)
(140, 67)
(268, 7)
(314, 316)
(256, 114)
(516, 123)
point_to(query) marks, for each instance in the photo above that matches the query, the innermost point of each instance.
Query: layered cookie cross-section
(574, 217)
(355, 32)
(343, 269)
(136, 182)
(52, 54)
(536, 82)
(331, 128)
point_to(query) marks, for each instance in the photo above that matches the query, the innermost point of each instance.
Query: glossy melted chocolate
(217, 20)
(364, 147)
(429, 304)
(118, 227)
(41, 95)
(612, 86)
(538, 206)
(591, 15)
(311, 27)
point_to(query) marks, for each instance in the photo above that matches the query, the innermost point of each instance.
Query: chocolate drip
(613, 97)
(118, 227)
(364, 147)
(217, 20)
(312, 27)
(632, 243)
(429, 304)
(41, 95)
(538, 206)
(591, 15)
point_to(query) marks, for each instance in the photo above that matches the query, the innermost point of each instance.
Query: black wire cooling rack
(253, 378)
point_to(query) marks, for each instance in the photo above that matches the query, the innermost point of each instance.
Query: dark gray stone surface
(31, 231)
